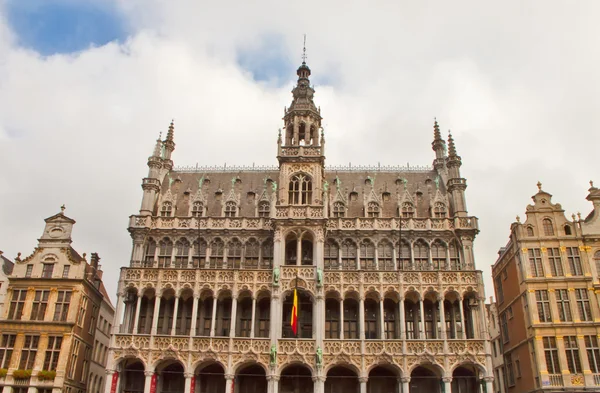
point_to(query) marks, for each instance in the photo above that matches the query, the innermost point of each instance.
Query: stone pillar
(107, 385)
(463, 333)
(342, 319)
(402, 321)
(272, 383)
(117, 321)
(361, 316)
(213, 321)
(358, 267)
(299, 251)
(175, 309)
(155, 315)
(253, 323)
(442, 317)
(229, 382)
(147, 381)
(188, 382)
(489, 384)
(234, 302)
(484, 335)
(405, 384)
(376, 257)
(319, 318)
(363, 384)
(448, 385)
(194, 315)
(422, 324)
(394, 258)
(381, 321)
(319, 384)
(137, 315)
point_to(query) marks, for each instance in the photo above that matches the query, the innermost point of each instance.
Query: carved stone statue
(276, 276)
(319, 356)
(273, 355)
(274, 186)
(319, 277)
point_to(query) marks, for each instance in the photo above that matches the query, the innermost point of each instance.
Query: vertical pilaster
(234, 303)
(213, 320)
(117, 320)
(154, 328)
(402, 321)
(361, 316)
(175, 309)
(253, 323)
(422, 323)
(442, 318)
(194, 315)
(342, 318)
(137, 315)
(381, 321)
(463, 333)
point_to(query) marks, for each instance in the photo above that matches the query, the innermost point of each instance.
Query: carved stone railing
(397, 347)
(139, 277)
(296, 151)
(303, 272)
(335, 347)
(417, 224)
(405, 277)
(200, 222)
(301, 346)
(299, 212)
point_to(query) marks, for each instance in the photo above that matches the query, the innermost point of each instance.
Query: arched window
(234, 254)
(230, 209)
(371, 319)
(166, 210)
(408, 210)
(264, 208)
(439, 210)
(300, 190)
(548, 228)
(421, 250)
(372, 209)
(367, 255)
(332, 318)
(390, 311)
(350, 318)
(302, 134)
(197, 209)
(530, 231)
(339, 210)
(164, 252)
(199, 255)
(348, 255)
(182, 248)
(331, 255)
(438, 255)
(216, 253)
(454, 257)
(251, 254)
(150, 251)
(266, 261)
(404, 255)
(567, 229)
(385, 259)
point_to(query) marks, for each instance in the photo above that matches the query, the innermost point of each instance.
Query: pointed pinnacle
(171, 130)
(451, 146)
(158, 146)
(436, 131)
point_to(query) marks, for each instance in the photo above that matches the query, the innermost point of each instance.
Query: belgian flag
(294, 321)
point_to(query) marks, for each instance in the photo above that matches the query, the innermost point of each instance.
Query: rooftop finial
(591, 183)
(451, 146)
(171, 130)
(304, 51)
(62, 209)
(436, 130)
(539, 185)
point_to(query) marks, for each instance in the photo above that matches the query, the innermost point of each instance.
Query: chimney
(94, 260)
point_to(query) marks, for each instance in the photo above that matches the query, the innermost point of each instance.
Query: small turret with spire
(439, 147)
(169, 142)
(456, 184)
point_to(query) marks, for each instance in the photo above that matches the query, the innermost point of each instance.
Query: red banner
(193, 384)
(115, 380)
(232, 385)
(153, 384)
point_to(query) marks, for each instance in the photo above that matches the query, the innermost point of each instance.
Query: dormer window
(166, 210)
(408, 210)
(372, 209)
(230, 209)
(548, 228)
(567, 230)
(300, 190)
(439, 210)
(197, 209)
(530, 231)
(264, 208)
(339, 210)
(47, 270)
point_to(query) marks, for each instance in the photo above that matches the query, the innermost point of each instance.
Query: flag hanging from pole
(294, 321)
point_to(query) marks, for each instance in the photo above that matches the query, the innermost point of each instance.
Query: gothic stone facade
(382, 258)
(547, 292)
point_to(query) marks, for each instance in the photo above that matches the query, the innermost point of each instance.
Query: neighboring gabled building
(48, 328)
(546, 283)
(6, 268)
(496, 344)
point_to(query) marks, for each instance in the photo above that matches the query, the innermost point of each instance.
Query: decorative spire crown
(451, 146)
(437, 136)
(158, 147)
(171, 130)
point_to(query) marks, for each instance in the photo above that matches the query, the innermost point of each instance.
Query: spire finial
(158, 147)
(62, 209)
(171, 130)
(436, 130)
(451, 146)
(304, 51)
(539, 185)
(591, 183)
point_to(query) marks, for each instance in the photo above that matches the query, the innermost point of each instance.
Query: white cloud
(516, 82)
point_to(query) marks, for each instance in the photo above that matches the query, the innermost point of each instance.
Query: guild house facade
(388, 295)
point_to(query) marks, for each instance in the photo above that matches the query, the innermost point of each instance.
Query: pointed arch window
(165, 252)
(300, 190)
(331, 255)
(454, 256)
(166, 209)
(302, 134)
(230, 209)
(234, 254)
(332, 318)
(530, 231)
(251, 255)
(438, 255)
(548, 228)
(339, 210)
(408, 210)
(199, 255)
(439, 210)
(404, 255)
(264, 208)
(367, 255)
(197, 209)
(350, 319)
(216, 253)
(266, 261)
(372, 209)
(150, 251)
(385, 255)
(371, 319)
(421, 250)
(348, 255)
(182, 248)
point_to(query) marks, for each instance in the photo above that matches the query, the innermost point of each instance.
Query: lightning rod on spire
(304, 51)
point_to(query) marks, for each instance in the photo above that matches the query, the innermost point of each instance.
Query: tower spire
(451, 146)
(438, 145)
(304, 51)
(170, 141)
(158, 146)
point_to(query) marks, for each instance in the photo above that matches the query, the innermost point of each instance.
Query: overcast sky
(87, 85)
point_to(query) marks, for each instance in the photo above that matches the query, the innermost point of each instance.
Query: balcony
(200, 222)
(404, 224)
(299, 212)
(196, 343)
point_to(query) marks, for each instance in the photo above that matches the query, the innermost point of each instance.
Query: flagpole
(298, 306)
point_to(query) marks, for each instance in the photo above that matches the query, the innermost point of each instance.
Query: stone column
(381, 321)
(442, 317)
(188, 382)
(234, 302)
(484, 335)
(405, 384)
(363, 384)
(402, 321)
(213, 320)
(376, 257)
(117, 321)
(319, 318)
(448, 385)
(361, 316)
(463, 333)
(229, 382)
(342, 319)
(394, 258)
(319, 384)
(489, 384)
(154, 329)
(136, 321)
(272, 383)
(422, 324)
(194, 315)
(299, 251)
(175, 309)
(253, 323)
(107, 384)
(147, 381)
(358, 267)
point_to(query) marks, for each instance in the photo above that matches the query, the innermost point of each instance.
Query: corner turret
(456, 184)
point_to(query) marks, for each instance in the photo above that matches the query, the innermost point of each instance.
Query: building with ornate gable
(547, 293)
(48, 327)
(389, 297)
